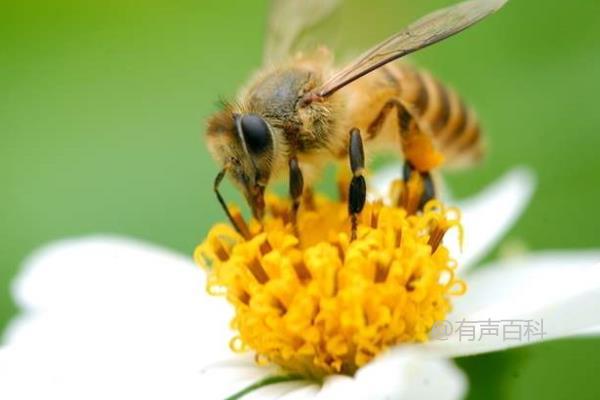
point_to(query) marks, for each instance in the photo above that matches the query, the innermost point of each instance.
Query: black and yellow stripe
(440, 113)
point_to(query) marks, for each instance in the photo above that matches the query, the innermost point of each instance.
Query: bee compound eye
(256, 133)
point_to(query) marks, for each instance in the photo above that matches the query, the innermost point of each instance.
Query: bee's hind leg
(357, 192)
(427, 191)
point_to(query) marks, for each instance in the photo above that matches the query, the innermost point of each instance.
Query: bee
(300, 112)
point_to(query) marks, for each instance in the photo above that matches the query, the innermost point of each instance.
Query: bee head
(243, 145)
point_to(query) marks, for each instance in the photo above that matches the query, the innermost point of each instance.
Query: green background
(101, 119)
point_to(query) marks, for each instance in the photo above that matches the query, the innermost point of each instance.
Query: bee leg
(296, 187)
(237, 223)
(428, 192)
(357, 192)
(407, 170)
(428, 189)
(414, 143)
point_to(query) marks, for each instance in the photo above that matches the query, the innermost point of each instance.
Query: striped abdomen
(438, 112)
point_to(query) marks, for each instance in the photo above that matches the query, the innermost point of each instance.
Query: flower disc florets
(315, 302)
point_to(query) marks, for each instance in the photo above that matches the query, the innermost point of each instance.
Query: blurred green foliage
(101, 118)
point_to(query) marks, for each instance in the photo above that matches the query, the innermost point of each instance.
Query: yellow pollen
(319, 303)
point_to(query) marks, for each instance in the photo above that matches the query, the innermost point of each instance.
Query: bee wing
(426, 31)
(288, 19)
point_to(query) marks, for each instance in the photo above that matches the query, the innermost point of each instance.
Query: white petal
(400, 374)
(489, 215)
(230, 376)
(284, 390)
(341, 387)
(112, 318)
(404, 374)
(379, 184)
(307, 392)
(593, 331)
(562, 289)
(225, 378)
(486, 217)
(103, 271)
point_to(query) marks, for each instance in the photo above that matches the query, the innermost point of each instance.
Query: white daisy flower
(110, 317)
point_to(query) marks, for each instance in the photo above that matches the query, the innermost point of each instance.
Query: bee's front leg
(296, 187)
(357, 193)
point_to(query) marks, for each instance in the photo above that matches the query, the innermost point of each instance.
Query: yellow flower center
(315, 302)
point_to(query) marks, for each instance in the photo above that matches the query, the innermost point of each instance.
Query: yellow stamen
(317, 303)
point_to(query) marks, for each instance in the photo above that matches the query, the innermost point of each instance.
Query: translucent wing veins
(426, 31)
(288, 19)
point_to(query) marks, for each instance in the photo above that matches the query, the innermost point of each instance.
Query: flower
(107, 317)
(316, 302)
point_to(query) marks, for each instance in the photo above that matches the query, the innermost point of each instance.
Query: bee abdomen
(441, 113)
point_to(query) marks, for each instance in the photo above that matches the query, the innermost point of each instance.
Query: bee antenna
(216, 184)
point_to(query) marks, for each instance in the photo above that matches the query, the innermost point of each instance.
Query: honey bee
(300, 112)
